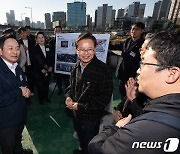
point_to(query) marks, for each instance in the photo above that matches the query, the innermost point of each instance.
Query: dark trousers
(43, 88)
(86, 130)
(30, 78)
(10, 140)
(60, 79)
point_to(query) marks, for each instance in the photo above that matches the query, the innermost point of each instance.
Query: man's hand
(25, 48)
(117, 115)
(131, 89)
(124, 121)
(50, 69)
(44, 71)
(70, 104)
(25, 91)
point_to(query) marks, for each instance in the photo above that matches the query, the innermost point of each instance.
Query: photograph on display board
(69, 58)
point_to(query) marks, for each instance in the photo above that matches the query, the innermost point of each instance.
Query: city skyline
(38, 11)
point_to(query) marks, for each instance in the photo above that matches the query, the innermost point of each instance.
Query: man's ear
(173, 75)
(0, 52)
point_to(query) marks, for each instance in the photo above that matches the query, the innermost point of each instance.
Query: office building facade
(105, 17)
(76, 14)
(48, 23)
(174, 13)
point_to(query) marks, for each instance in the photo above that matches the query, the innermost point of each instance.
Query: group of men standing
(156, 67)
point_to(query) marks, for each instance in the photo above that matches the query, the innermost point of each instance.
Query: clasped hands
(70, 104)
(25, 91)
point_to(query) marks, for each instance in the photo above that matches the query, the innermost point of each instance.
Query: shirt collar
(82, 67)
(10, 66)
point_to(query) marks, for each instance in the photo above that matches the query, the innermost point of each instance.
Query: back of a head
(167, 47)
(9, 31)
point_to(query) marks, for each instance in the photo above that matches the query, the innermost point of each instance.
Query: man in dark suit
(130, 54)
(28, 45)
(29, 35)
(42, 62)
(13, 91)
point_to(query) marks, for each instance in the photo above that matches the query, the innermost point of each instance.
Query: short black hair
(20, 29)
(3, 38)
(166, 47)
(27, 27)
(39, 32)
(58, 27)
(86, 36)
(9, 31)
(139, 25)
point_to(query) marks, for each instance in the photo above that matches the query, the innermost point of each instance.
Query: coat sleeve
(118, 46)
(22, 58)
(114, 140)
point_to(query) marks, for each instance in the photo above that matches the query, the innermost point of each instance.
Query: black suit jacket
(131, 57)
(12, 103)
(39, 61)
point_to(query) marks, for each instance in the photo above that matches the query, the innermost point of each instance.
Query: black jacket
(92, 90)
(113, 140)
(12, 103)
(52, 46)
(39, 61)
(131, 57)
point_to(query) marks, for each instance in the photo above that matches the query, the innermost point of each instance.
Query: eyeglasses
(83, 50)
(157, 65)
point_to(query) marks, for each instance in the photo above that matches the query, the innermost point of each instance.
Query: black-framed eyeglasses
(152, 64)
(83, 50)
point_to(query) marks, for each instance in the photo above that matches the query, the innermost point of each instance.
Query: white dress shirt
(12, 67)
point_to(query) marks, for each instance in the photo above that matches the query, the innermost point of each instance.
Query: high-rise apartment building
(48, 23)
(174, 13)
(95, 19)
(59, 16)
(10, 17)
(135, 10)
(76, 14)
(156, 10)
(105, 16)
(89, 21)
(120, 13)
(27, 21)
(164, 9)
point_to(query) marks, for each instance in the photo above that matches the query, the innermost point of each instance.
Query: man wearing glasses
(89, 92)
(157, 130)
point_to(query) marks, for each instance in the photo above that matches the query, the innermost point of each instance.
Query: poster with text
(66, 57)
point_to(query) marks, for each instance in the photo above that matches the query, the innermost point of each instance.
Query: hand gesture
(124, 121)
(117, 115)
(131, 89)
